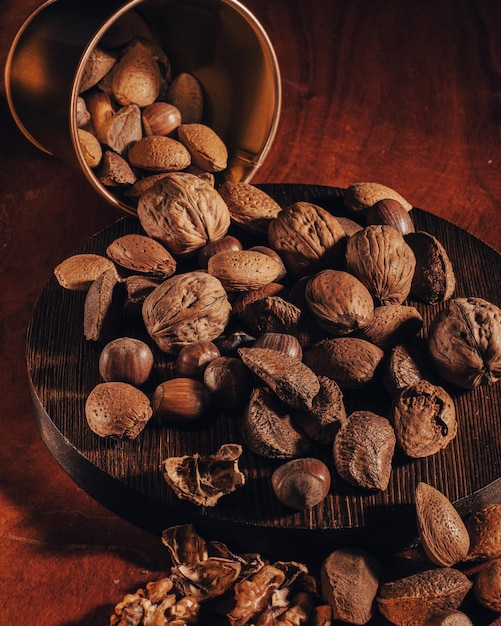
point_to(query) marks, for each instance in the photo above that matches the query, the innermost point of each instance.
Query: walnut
(424, 418)
(204, 479)
(307, 237)
(184, 212)
(464, 341)
(185, 308)
(381, 259)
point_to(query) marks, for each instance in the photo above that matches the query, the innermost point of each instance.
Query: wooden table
(406, 94)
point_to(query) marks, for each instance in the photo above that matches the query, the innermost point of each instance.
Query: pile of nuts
(313, 312)
(135, 120)
(208, 583)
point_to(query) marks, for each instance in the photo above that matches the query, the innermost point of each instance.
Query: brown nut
(381, 259)
(185, 93)
(103, 307)
(136, 78)
(449, 617)
(443, 535)
(115, 170)
(160, 118)
(392, 324)
(225, 244)
(349, 580)
(207, 149)
(98, 64)
(194, 358)
(184, 212)
(487, 587)
(392, 213)
(360, 196)
(363, 450)
(301, 483)
(307, 237)
(464, 341)
(90, 147)
(424, 418)
(142, 255)
(126, 359)
(484, 528)
(283, 342)
(229, 382)
(157, 153)
(79, 271)
(186, 308)
(406, 364)
(339, 302)
(412, 600)
(250, 207)
(243, 270)
(181, 400)
(117, 409)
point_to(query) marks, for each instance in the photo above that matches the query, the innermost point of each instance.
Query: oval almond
(243, 270)
(157, 153)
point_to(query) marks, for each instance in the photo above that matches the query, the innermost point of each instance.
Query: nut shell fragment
(484, 528)
(204, 479)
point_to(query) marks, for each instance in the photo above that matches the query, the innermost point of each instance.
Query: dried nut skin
(184, 212)
(339, 302)
(360, 196)
(250, 207)
(363, 450)
(391, 324)
(350, 361)
(136, 78)
(424, 418)
(349, 580)
(185, 93)
(117, 409)
(443, 534)
(126, 359)
(484, 528)
(204, 479)
(411, 601)
(207, 149)
(301, 483)
(381, 259)
(181, 400)
(464, 341)
(142, 255)
(307, 237)
(243, 270)
(487, 587)
(157, 153)
(434, 279)
(91, 148)
(391, 212)
(186, 308)
(292, 381)
(267, 428)
(79, 271)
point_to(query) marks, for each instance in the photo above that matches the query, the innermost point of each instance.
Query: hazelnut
(228, 381)
(392, 213)
(226, 243)
(301, 483)
(283, 342)
(181, 399)
(127, 360)
(160, 118)
(194, 358)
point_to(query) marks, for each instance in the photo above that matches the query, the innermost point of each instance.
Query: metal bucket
(220, 42)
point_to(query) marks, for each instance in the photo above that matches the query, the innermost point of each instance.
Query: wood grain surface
(403, 93)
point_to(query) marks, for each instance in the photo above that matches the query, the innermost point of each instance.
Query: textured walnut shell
(411, 601)
(250, 207)
(142, 255)
(243, 270)
(363, 450)
(484, 528)
(434, 279)
(443, 535)
(464, 340)
(267, 428)
(381, 259)
(349, 580)
(487, 587)
(184, 212)
(117, 409)
(391, 324)
(186, 308)
(350, 361)
(424, 418)
(339, 302)
(204, 479)
(307, 237)
(292, 381)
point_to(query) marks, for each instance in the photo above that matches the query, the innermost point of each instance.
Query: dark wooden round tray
(126, 476)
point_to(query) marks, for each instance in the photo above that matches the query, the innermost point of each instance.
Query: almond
(159, 154)
(207, 149)
(243, 270)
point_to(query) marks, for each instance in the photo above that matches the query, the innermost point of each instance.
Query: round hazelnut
(181, 399)
(228, 381)
(126, 360)
(282, 342)
(224, 244)
(160, 118)
(301, 483)
(194, 358)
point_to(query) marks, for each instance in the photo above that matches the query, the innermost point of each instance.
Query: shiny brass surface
(219, 41)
